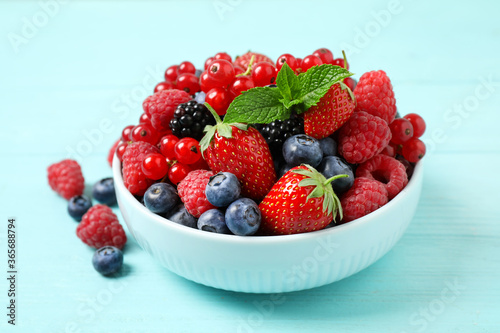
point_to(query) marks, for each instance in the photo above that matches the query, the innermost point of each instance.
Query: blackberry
(190, 119)
(276, 132)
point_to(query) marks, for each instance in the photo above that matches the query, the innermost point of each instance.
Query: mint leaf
(259, 105)
(317, 80)
(288, 83)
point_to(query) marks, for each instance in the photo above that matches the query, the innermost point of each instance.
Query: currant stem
(329, 180)
(345, 59)
(214, 113)
(249, 68)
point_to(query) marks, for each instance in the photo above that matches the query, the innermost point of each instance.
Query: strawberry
(331, 112)
(244, 59)
(301, 201)
(241, 150)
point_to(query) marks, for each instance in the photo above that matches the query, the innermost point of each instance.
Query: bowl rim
(260, 240)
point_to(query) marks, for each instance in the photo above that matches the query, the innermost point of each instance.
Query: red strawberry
(243, 151)
(331, 112)
(244, 60)
(301, 201)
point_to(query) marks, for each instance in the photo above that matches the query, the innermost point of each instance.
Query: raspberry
(244, 60)
(365, 196)
(386, 170)
(100, 227)
(362, 137)
(160, 107)
(133, 177)
(66, 178)
(192, 192)
(374, 95)
(112, 151)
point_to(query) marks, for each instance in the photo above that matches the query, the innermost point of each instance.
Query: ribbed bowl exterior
(270, 264)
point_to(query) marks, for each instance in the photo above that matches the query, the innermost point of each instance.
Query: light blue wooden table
(73, 74)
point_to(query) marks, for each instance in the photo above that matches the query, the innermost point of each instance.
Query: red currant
(144, 132)
(263, 74)
(171, 73)
(188, 82)
(155, 166)
(186, 67)
(177, 172)
(144, 119)
(126, 133)
(418, 124)
(200, 165)
(187, 151)
(208, 62)
(310, 61)
(340, 62)
(289, 59)
(238, 70)
(219, 99)
(242, 83)
(167, 145)
(223, 55)
(165, 85)
(324, 54)
(120, 150)
(206, 82)
(221, 72)
(401, 130)
(413, 150)
(350, 82)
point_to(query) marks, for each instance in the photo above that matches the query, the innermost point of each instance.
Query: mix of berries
(252, 146)
(98, 226)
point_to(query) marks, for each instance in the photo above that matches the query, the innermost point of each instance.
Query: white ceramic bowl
(270, 264)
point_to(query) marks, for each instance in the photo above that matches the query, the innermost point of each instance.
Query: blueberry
(222, 189)
(160, 198)
(78, 206)
(107, 260)
(199, 97)
(180, 215)
(302, 148)
(334, 165)
(328, 146)
(213, 221)
(198, 72)
(104, 191)
(243, 217)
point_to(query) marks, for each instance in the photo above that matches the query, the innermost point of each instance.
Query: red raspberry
(133, 177)
(374, 95)
(365, 196)
(66, 178)
(192, 192)
(386, 170)
(100, 227)
(112, 151)
(362, 137)
(160, 107)
(244, 59)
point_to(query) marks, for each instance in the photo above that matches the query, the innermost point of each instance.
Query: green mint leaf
(288, 83)
(317, 80)
(259, 105)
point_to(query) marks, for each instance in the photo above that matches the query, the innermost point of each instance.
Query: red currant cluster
(178, 156)
(182, 77)
(405, 140)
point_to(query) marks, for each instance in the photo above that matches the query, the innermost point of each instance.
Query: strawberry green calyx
(322, 188)
(223, 129)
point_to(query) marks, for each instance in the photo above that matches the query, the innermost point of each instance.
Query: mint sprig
(264, 104)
